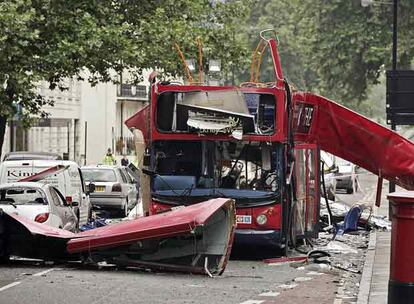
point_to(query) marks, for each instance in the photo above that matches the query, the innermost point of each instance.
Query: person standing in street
(109, 159)
(124, 161)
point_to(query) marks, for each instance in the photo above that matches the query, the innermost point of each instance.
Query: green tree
(53, 39)
(338, 48)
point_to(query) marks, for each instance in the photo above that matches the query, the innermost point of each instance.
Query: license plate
(100, 189)
(244, 219)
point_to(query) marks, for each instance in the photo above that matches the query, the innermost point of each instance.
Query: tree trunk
(3, 121)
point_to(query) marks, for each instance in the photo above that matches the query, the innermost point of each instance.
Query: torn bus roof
(353, 137)
(183, 220)
(196, 239)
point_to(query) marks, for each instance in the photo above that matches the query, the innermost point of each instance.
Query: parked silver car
(39, 202)
(345, 176)
(114, 187)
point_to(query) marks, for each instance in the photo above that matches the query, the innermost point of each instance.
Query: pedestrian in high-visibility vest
(109, 159)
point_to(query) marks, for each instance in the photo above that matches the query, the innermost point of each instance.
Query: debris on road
(349, 219)
(345, 257)
(93, 223)
(195, 239)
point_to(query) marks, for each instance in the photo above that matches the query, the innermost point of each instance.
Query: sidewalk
(375, 275)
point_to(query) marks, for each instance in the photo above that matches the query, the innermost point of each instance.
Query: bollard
(401, 281)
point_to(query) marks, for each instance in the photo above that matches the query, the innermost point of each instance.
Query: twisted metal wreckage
(198, 238)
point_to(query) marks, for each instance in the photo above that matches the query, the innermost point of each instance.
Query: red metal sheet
(195, 239)
(172, 223)
(42, 229)
(353, 137)
(140, 120)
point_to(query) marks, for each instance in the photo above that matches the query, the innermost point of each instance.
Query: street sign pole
(394, 69)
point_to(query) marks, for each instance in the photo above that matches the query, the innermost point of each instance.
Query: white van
(68, 180)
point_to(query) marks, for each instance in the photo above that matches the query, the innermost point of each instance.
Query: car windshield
(22, 196)
(99, 175)
(246, 171)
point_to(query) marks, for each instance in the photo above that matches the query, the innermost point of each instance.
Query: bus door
(305, 210)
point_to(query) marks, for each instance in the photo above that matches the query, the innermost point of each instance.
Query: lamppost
(394, 69)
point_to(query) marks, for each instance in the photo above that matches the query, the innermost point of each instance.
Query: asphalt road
(247, 282)
(242, 281)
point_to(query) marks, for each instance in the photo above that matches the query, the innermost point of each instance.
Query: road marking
(252, 302)
(43, 272)
(9, 286)
(269, 294)
(314, 273)
(287, 286)
(302, 279)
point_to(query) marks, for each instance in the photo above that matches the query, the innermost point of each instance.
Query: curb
(366, 278)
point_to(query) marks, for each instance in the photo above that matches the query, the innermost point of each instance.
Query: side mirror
(91, 188)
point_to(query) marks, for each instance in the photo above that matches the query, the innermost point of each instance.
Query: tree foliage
(54, 39)
(337, 48)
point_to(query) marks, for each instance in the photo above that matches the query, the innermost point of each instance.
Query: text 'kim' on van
(63, 175)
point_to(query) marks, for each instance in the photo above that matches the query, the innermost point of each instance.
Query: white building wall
(98, 110)
(98, 106)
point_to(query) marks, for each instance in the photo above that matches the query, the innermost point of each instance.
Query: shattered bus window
(191, 171)
(213, 112)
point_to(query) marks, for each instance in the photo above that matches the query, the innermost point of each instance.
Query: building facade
(83, 123)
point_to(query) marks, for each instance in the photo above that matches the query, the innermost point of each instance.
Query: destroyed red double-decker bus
(256, 144)
(202, 142)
